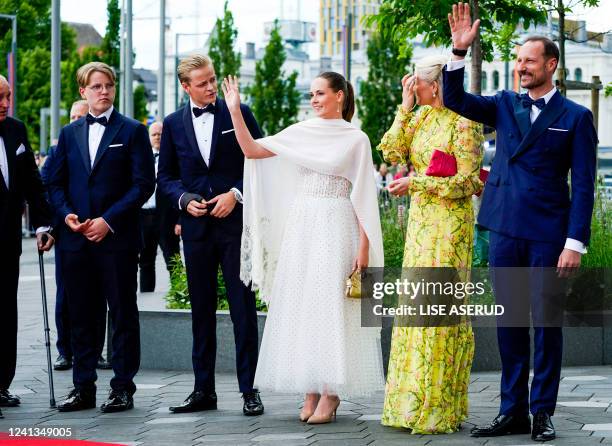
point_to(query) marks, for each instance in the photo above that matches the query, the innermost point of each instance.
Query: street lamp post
(13, 67)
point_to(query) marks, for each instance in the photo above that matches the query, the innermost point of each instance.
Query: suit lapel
(220, 106)
(521, 115)
(10, 146)
(112, 128)
(81, 133)
(190, 133)
(551, 112)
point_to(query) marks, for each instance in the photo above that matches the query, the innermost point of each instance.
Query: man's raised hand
(463, 31)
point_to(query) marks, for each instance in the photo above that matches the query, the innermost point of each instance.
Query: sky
(249, 17)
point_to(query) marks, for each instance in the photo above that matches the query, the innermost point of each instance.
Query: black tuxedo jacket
(182, 168)
(25, 185)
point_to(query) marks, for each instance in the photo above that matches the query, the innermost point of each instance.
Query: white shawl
(328, 146)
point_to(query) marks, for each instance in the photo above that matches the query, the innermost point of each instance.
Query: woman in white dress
(310, 219)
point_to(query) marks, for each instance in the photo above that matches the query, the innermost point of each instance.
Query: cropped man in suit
(62, 319)
(201, 171)
(159, 218)
(534, 222)
(103, 174)
(19, 182)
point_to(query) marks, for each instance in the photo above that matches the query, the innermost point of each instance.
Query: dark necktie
(100, 120)
(197, 111)
(528, 102)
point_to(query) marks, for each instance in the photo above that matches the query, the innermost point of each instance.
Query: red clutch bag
(484, 174)
(442, 164)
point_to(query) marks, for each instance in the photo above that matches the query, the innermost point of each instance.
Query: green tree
(381, 92)
(33, 57)
(562, 8)
(274, 98)
(222, 42)
(405, 19)
(608, 90)
(140, 104)
(110, 46)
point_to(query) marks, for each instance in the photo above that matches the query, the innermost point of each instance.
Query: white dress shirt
(4, 162)
(95, 135)
(570, 243)
(150, 203)
(203, 128)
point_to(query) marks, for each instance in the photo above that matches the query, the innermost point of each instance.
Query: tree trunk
(476, 73)
(561, 71)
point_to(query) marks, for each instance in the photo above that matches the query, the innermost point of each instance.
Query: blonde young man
(103, 174)
(201, 171)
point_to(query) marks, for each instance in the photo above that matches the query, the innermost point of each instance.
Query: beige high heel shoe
(306, 414)
(328, 417)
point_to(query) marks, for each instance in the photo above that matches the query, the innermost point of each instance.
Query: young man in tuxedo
(102, 176)
(535, 225)
(19, 183)
(62, 320)
(201, 171)
(159, 219)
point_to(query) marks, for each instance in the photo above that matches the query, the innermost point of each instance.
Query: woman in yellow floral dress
(429, 367)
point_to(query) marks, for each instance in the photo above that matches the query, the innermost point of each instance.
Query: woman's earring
(434, 95)
(338, 108)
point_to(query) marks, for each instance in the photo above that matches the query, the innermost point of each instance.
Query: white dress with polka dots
(313, 340)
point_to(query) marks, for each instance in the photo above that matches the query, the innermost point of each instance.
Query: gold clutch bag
(353, 285)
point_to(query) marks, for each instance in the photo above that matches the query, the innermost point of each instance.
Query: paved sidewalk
(583, 417)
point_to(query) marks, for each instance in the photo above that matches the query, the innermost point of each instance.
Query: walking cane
(43, 291)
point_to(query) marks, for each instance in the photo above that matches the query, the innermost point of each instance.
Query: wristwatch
(237, 194)
(458, 52)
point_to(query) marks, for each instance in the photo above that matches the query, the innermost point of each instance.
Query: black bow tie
(210, 108)
(100, 120)
(528, 102)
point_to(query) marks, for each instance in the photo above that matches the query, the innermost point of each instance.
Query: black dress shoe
(78, 400)
(62, 363)
(8, 400)
(197, 401)
(504, 425)
(543, 429)
(1, 416)
(252, 404)
(118, 400)
(103, 364)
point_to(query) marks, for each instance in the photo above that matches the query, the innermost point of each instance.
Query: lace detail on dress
(315, 184)
(313, 340)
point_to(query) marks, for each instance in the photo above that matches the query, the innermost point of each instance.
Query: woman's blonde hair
(430, 69)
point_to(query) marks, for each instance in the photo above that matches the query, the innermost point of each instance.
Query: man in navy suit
(534, 222)
(62, 319)
(102, 175)
(201, 171)
(19, 182)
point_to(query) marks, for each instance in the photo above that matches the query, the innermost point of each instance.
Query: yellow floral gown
(429, 367)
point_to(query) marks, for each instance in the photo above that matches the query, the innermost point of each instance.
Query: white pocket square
(557, 130)
(227, 131)
(115, 145)
(20, 149)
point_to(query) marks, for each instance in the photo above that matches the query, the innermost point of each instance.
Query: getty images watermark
(510, 297)
(419, 292)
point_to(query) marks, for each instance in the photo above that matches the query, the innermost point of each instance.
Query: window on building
(356, 46)
(578, 74)
(496, 80)
(484, 81)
